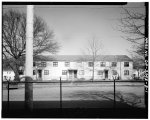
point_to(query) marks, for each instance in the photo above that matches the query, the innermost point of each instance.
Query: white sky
(75, 25)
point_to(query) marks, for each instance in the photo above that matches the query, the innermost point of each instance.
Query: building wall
(56, 72)
(8, 75)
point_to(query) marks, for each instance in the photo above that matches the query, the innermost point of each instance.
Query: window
(8, 72)
(81, 72)
(55, 64)
(67, 64)
(99, 72)
(126, 72)
(126, 64)
(90, 64)
(43, 64)
(102, 64)
(64, 72)
(20, 72)
(114, 64)
(46, 72)
(37, 64)
(114, 72)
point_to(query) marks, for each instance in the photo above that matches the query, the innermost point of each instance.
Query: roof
(82, 58)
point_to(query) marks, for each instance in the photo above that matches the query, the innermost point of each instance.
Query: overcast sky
(75, 25)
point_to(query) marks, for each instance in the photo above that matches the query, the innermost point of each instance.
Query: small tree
(14, 39)
(94, 48)
(134, 26)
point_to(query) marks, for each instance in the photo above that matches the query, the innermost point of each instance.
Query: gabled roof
(82, 58)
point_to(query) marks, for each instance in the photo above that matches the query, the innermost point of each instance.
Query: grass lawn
(79, 100)
(128, 92)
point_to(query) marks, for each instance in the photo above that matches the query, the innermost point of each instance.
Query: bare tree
(133, 25)
(14, 39)
(94, 49)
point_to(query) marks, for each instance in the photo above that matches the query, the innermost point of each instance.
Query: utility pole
(29, 59)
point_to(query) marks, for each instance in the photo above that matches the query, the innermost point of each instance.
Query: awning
(72, 69)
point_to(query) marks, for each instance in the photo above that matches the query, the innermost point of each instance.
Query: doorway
(106, 74)
(72, 74)
(75, 73)
(40, 73)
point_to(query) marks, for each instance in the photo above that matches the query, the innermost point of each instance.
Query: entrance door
(106, 74)
(70, 74)
(40, 74)
(75, 73)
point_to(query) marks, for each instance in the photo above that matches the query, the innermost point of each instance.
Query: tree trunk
(93, 73)
(16, 71)
(138, 75)
(16, 76)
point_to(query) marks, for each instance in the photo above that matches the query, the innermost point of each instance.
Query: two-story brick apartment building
(72, 67)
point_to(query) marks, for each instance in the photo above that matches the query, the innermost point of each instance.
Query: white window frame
(55, 65)
(113, 64)
(128, 64)
(46, 72)
(43, 64)
(103, 65)
(67, 64)
(126, 72)
(64, 71)
(99, 72)
(113, 72)
(89, 64)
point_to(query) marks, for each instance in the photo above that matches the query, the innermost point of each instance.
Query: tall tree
(94, 49)
(133, 25)
(14, 39)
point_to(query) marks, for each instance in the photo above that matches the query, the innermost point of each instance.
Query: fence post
(8, 95)
(114, 93)
(60, 93)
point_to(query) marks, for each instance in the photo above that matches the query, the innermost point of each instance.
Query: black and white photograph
(74, 60)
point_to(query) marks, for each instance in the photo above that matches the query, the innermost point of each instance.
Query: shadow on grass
(130, 99)
(92, 104)
(43, 109)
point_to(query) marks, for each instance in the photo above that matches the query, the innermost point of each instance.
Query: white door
(71, 74)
